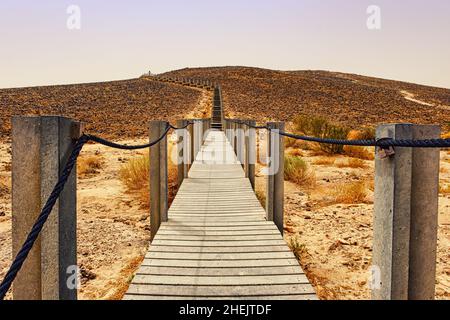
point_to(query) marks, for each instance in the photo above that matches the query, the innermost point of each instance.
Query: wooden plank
(248, 249)
(220, 281)
(219, 256)
(181, 228)
(219, 272)
(218, 233)
(218, 291)
(311, 297)
(220, 264)
(217, 238)
(239, 243)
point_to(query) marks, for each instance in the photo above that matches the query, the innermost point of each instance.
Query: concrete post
(275, 175)
(424, 216)
(250, 149)
(198, 136)
(191, 143)
(234, 138)
(241, 143)
(158, 177)
(183, 151)
(41, 147)
(204, 129)
(406, 215)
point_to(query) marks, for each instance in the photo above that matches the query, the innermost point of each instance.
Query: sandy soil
(336, 239)
(113, 229)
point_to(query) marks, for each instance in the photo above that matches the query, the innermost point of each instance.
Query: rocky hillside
(111, 109)
(349, 99)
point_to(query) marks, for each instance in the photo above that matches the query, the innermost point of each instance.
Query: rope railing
(382, 143)
(55, 194)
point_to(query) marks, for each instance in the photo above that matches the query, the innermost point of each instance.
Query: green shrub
(322, 128)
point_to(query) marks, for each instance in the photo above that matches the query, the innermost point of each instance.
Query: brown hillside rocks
(119, 109)
(348, 99)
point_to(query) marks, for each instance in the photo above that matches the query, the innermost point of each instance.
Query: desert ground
(330, 232)
(334, 239)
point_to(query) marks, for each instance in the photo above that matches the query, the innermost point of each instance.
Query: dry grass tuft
(324, 161)
(298, 171)
(350, 193)
(135, 176)
(89, 165)
(135, 173)
(351, 163)
(360, 152)
(364, 134)
(298, 248)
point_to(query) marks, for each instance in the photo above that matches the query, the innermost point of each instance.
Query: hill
(121, 109)
(118, 109)
(349, 99)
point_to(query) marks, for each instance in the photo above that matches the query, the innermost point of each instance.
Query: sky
(124, 39)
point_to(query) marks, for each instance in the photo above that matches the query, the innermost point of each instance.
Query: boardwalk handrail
(55, 194)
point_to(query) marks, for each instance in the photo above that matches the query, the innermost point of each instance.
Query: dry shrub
(444, 189)
(89, 165)
(350, 193)
(298, 248)
(364, 153)
(364, 134)
(324, 161)
(360, 152)
(289, 142)
(298, 171)
(135, 173)
(351, 163)
(322, 128)
(135, 176)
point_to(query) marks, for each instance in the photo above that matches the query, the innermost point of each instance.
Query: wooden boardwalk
(217, 243)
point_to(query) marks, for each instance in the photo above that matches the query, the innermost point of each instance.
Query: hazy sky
(123, 39)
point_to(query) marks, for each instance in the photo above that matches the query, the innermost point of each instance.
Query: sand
(113, 229)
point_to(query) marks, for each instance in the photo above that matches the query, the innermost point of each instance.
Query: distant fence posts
(406, 216)
(158, 177)
(275, 175)
(40, 149)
